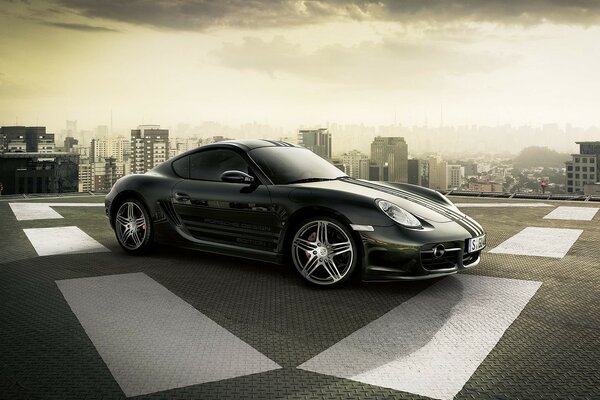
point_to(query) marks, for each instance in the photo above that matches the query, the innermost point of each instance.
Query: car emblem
(439, 251)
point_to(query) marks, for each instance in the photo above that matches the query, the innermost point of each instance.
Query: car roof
(251, 144)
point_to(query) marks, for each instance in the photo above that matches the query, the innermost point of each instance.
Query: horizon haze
(294, 64)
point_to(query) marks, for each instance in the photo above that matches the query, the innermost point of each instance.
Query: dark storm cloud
(201, 14)
(80, 27)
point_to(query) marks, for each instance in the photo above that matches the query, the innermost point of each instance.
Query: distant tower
(316, 140)
(149, 147)
(392, 151)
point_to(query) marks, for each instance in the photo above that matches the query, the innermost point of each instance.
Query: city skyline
(292, 64)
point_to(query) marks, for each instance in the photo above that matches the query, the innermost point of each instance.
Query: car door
(222, 213)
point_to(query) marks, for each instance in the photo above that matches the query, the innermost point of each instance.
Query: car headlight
(398, 214)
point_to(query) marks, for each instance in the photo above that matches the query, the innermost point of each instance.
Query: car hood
(425, 207)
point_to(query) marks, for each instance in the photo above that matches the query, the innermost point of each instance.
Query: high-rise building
(119, 148)
(378, 172)
(149, 147)
(438, 173)
(316, 140)
(71, 144)
(356, 164)
(455, 176)
(583, 169)
(393, 152)
(108, 160)
(27, 139)
(418, 172)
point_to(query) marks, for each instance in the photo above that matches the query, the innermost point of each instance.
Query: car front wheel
(133, 227)
(324, 251)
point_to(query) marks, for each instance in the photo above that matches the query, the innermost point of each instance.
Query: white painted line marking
(541, 242)
(490, 205)
(433, 343)
(573, 213)
(151, 340)
(32, 211)
(62, 240)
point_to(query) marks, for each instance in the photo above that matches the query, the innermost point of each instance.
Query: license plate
(475, 244)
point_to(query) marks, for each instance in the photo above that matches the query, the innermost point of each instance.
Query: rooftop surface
(80, 319)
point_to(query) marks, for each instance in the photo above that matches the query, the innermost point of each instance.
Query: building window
(576, 176)
(584, 160)
(576, 168)
(584, 169)
(570, 175)
(584, 176)
(576, 159)
(592, 169)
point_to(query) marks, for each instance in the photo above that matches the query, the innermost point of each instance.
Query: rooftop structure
(211, 326)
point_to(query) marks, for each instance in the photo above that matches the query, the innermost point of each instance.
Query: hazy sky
(292, 63)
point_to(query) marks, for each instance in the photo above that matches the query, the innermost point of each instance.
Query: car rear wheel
(133, 227)
(324, 251)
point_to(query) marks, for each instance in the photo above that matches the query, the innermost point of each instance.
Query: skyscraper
(392, 151)
(438, 173)
(356, 163)
(149, 147)
(316, 140)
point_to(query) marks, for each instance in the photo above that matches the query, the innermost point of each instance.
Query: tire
(133, 227)
(324, 251)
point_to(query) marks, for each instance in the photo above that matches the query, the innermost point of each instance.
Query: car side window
(182, 167)
(208, 165)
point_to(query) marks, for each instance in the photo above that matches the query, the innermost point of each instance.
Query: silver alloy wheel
(131, 225)
(322, 252)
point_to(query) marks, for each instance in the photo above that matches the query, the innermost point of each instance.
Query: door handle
(182, 197)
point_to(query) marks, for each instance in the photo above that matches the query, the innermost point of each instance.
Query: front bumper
(393, 253)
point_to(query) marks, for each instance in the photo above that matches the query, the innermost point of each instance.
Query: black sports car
(277, 202)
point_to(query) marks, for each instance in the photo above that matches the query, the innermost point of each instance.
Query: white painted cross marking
(573, 213)
(151, 340)
(32, 211)
(541, 242)
(433, 343)
(62, 240)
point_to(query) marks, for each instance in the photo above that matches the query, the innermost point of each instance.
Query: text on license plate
(475, 244)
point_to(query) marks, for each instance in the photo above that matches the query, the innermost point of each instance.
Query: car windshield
(293, 165)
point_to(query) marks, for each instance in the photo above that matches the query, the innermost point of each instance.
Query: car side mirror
(236, 177)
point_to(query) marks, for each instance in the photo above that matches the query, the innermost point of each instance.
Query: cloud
(203, 14)
(79, 27)
(387, 64)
